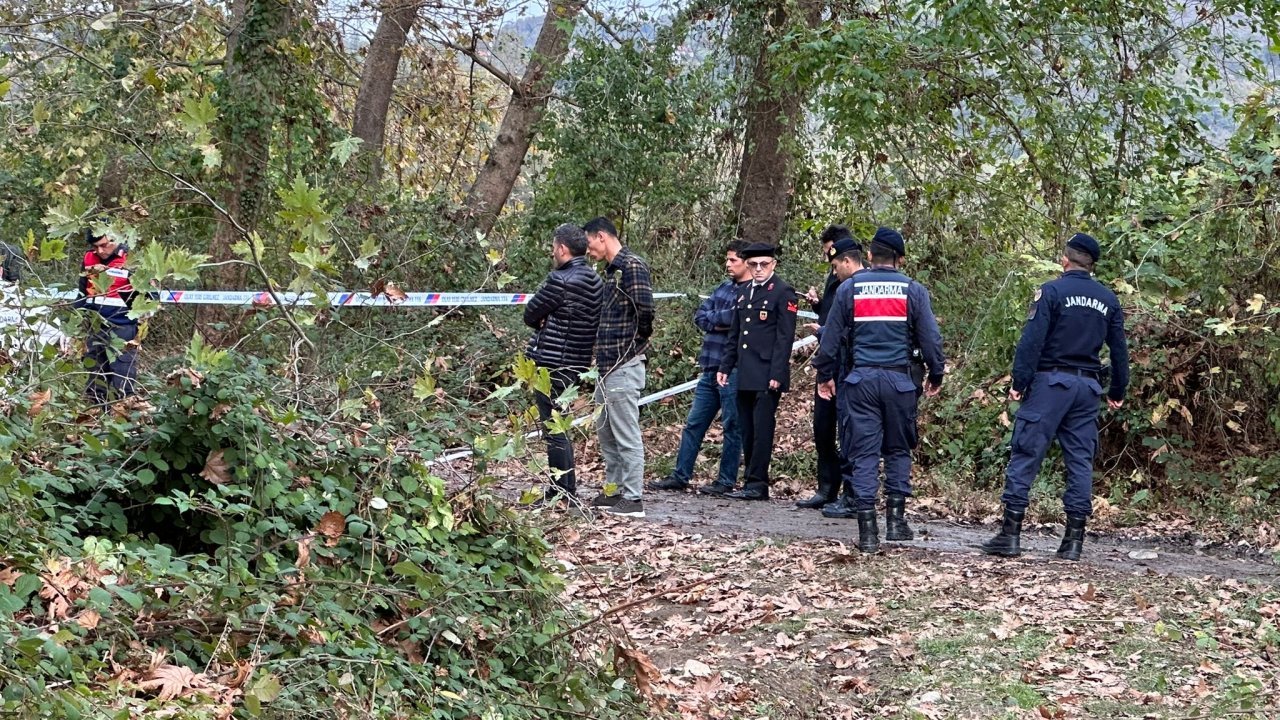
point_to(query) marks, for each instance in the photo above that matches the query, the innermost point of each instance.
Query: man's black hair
(572, 237)
(882, 252)
(834, 233)
(736, 247)
(600, 224)
(1079, 258)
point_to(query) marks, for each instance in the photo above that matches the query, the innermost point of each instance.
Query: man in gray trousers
(626, 322)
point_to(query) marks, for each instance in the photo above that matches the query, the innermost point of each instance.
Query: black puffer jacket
(565, 312)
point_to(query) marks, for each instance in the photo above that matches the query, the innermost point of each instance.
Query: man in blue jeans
(713, 317)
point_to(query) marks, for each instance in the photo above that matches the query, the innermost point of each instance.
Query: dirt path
(779, 519)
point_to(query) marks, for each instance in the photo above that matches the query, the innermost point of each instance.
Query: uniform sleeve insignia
(792, 307)
(1039, 292)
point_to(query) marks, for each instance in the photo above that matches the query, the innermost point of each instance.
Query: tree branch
(502, 75)
(244, 233)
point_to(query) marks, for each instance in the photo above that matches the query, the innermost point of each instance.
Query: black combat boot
(1072, 539)
(868, 532)
(895, 519)
(826, 493)
(1008, 542)
(844, 508)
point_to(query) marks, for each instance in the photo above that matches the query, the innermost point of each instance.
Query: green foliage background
(988, 133)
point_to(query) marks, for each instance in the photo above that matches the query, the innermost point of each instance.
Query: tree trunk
(378, 78)
(249, 105)
(774, 110)
(528, 102)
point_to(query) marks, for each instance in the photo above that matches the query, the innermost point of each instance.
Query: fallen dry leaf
(174, 378)
(173, 681)
(304, 551)
(215, 469)
(38, 400)
(332, 524)
(89, 619)
(642, 667)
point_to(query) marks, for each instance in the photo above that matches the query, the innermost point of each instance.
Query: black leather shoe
(1072, 539)
(749, 493)
(669, 483)
(841, 509)
(895, 519)
(1008, 542)
(715, 488)
(868, 532)
(813, 503)
(824, 495)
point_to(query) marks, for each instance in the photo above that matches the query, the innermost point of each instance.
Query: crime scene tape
(338, 299)
(584, 419)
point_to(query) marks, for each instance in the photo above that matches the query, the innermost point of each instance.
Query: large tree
(774, 111)
(529, 96)
(254, 73)
(378, 76)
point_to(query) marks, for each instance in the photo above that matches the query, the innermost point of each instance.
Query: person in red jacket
(105, 290)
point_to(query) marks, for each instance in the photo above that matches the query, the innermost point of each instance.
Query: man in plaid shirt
(626, 322)
(714, 317)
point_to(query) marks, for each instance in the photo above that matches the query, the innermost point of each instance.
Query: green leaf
(424, 387)
(304, 210)
(265, 689)
(68, 218)
(26, 585)
(106, 22)
(197, 116)
(52, 248)
(342, 150)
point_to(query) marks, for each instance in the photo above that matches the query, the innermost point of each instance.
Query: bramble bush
(224, 549)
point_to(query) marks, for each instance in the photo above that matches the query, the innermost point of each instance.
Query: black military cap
(891, 239)
(1085, 244)
(759, 249)
(842, 246)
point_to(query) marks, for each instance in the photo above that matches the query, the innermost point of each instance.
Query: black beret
(842, 246)
(759, 249)
(891, 239)
(1085, 244)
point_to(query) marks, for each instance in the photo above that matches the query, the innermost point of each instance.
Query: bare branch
(505, 77)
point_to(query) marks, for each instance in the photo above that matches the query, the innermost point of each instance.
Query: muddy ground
(780, 519)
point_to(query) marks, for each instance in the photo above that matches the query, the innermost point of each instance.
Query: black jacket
(764, 327)
(565, 312)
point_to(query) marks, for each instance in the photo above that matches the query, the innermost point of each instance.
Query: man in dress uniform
(759, 348)
(879, 315)
(1057, 375)
(845, 255)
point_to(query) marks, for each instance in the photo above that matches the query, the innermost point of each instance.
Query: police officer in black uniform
(759, 346)
(837, 242)
(878, 315)
(1058, 376)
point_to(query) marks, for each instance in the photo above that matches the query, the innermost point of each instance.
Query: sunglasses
(759, 264)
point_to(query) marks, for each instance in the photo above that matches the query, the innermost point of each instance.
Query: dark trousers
(112, 370)
(708, 400)
(757, 411)
(1058, 405)
(880, 422)
(559, 446)
(832, 464)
